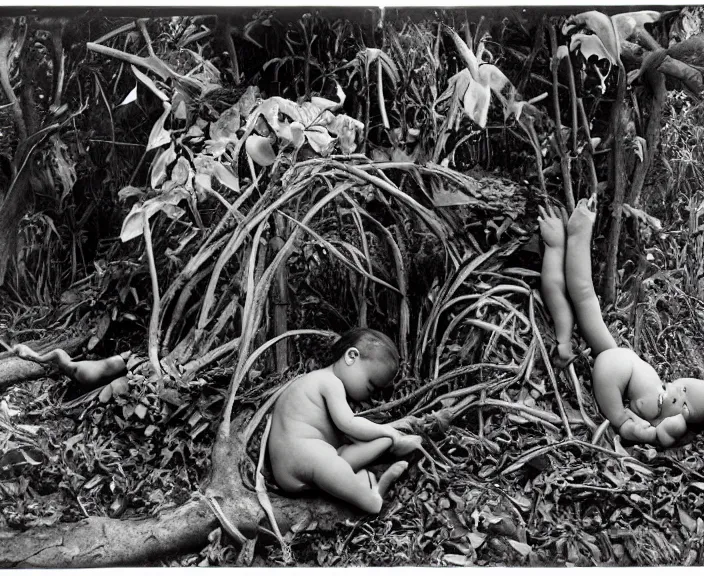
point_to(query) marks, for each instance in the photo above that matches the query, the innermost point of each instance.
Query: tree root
(102, 542)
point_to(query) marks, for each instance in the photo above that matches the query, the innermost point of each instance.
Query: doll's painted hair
(370, 343)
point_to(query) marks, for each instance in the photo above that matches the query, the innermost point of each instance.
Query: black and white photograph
(351, 286)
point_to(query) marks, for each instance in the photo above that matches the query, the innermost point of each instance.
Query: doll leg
(552, 280)
(578, 274)
(334, 475)
(360, 454)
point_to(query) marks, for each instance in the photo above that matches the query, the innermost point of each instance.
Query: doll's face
(669, 400)
(674, 400)
(686, 397)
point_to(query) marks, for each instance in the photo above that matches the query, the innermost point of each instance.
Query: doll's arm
(612, 372)
(670, 429)
(638, 430)
(333, 392)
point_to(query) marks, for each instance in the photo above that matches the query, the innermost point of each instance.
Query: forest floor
(501, 489)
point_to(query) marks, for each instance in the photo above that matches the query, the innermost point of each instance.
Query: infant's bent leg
(578, 275)
(334, 475)
(360, 454)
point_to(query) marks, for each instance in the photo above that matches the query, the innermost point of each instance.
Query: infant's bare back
(301, 413)
(300, 423)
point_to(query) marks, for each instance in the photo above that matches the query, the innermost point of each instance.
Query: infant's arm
(612, 372)
(333, 392)
(670, 429)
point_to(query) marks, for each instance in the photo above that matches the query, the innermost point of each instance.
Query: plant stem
(565, 159)
(619, 175)
(156, 301)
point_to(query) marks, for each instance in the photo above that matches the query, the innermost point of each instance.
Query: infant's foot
(582, 219)
(406, 444)
(390, 476)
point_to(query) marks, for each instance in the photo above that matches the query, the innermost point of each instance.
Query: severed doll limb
(580, 286)
(552, 279)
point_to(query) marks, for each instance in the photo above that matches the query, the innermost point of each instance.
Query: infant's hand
(638, 429)
(405, 444)
(552, 226)
(582, 218)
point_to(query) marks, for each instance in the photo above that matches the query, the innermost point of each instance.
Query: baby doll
(312, 425)
(657, 412)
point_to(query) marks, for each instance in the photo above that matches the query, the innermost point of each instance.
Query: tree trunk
(13, 207)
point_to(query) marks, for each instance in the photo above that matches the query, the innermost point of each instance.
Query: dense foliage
(195, 187)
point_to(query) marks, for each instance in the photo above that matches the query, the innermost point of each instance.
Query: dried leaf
(457, 560)
(476, 539)
(65, 166)
(687, 521)
(520, 547)
(140, 411)
(171, 396)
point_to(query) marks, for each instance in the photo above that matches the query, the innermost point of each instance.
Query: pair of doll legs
(567, 278)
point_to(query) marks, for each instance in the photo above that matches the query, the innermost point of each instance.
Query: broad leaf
(160, 135)
(632, 23)
(601, 25)
(260, 150)
(320, 140)
(226, 177)
(476, 102)
(133, 225)
(160, 164)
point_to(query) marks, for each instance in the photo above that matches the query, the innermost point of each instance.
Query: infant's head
(365, 360)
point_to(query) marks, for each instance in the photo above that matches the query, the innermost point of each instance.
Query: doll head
(685, 396)
(364, 360)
